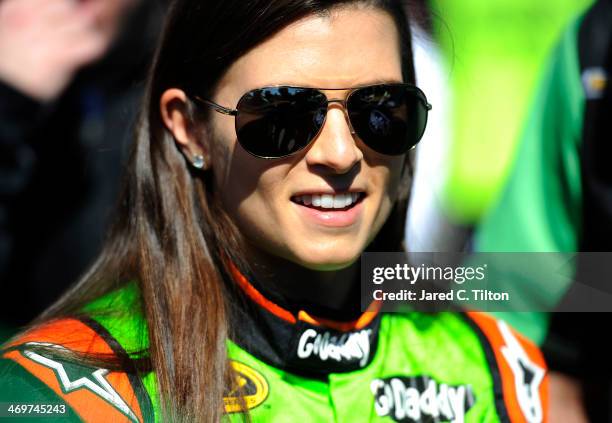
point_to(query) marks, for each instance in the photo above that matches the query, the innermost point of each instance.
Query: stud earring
(198, 161)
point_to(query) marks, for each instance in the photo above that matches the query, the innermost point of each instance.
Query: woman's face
(349, 48)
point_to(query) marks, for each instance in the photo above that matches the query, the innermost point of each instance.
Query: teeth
(328, 201)
(339, 201)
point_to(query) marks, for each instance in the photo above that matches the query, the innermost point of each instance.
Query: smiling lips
(329, 201)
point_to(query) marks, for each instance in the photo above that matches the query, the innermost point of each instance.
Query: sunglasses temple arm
(216, 107)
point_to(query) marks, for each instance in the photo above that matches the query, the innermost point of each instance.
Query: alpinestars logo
(83, 378)
(349, 347)
(421, 399)
(527, 374)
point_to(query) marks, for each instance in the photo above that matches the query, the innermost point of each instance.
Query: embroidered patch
(527, 375)
(251, 385)
(73, 377)
(421, 399)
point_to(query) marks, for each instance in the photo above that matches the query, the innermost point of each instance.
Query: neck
(330, 294)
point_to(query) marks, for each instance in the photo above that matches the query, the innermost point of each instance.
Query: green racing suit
(383, 367)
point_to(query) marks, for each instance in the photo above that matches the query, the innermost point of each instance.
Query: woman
(272, 152)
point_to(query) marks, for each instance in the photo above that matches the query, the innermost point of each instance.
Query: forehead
(350, 46)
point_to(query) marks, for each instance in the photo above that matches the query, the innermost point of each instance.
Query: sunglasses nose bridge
(342, 103)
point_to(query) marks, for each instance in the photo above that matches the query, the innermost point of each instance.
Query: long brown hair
(170, 232)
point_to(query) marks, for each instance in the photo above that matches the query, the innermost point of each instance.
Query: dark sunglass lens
(390, 119)
(279, 121)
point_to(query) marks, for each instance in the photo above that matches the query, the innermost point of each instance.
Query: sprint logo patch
(251, 385)
(421, 399)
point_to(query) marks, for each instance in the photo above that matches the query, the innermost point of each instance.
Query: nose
(335, 147)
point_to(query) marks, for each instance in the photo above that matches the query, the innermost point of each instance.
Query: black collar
(298, 342)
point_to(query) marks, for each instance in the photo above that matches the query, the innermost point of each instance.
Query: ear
(173, 108)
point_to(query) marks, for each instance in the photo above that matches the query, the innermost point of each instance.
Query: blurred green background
(495, 52)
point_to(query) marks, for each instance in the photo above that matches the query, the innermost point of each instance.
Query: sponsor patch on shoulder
(519, 369)
(421, 399)
(528, 375)
(251, 385)
(69, 356)
(73, 377)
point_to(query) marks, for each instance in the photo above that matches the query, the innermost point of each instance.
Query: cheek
(248, 188)
(396, 168)
(388, 176)
(254, 201)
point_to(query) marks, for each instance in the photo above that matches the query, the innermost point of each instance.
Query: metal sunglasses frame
(234, 112)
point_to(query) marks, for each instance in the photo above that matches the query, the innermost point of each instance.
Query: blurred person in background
(480, 60)
(492, 53)
(69, 87)
(559, 199)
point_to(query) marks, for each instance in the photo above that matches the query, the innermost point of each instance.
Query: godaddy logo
(349, 347)
(421, 399)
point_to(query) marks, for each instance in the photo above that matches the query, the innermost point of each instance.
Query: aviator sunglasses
(276, 122)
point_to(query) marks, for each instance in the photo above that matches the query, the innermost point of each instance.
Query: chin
(327, 259)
